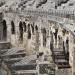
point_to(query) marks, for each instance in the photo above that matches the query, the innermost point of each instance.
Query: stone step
(16, 55)
(59, 57)
(3, 51)
(13, 55)
(4, 45)
(11, 62)
(24, 67)
(26, 60)
(14, 51)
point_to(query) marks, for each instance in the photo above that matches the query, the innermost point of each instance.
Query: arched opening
(36, 28)
(12, 27)
(32, 26)
(29, 32)
(67, 49)
(55, 35)
(44, 37)
(21, 31)
(4, 30)
(24, 25)
(51, 41)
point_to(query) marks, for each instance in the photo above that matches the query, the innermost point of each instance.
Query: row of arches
(4, 29)
(22, 28)
(30, 29)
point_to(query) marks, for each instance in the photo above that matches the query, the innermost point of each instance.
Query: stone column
(73, 66)
(48, 40)
(8, 23)
(33, 38)
(17, 36)
(25, 39)
(41, 41)
(48, 46)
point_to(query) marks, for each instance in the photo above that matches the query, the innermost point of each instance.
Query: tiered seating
(4, 45)
(26, 60)
(25, 66)
(15, 58)
(13, 55)
(60, 59)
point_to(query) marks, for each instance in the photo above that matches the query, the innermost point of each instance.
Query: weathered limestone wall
(35, 43)
(29, 44)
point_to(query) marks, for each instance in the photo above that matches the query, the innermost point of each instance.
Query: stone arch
(67, 44)
(12, 27)
(24, 25)
(66, 49)
(36, 28)
(44, 37)
(21, 31)
(32, 27)
(29, 32)
(4, 30)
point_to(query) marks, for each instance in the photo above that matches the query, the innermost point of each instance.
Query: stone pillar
(48, 40)
(73, 70)
(73, 54)
(1, 28)
(16, 36)
(41, 41)
(8, 23)
(33, 38)
(48, 46)
(70, 49)
(25, 39)
(60, 38)
(37, 41)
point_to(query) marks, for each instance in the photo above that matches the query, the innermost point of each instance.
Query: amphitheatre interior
(37, 37)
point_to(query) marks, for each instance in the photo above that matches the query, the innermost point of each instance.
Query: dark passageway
(21, 31)
(4, 30)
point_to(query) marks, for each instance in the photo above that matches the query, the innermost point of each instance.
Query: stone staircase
(13, 55)
(25, 66)
(60, 59)
(14, 60)
(18, 62)
(9, 56)
(4, 45)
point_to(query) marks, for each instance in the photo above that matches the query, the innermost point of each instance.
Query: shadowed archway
(21, 31)
(4, 30)
(12, 27)
(44, 37)
(29, 32)
(24, 26)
